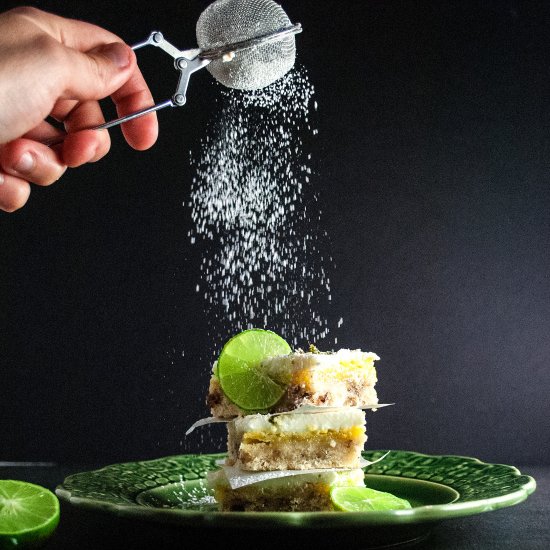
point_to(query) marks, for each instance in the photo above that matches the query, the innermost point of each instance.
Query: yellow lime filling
(346, 434)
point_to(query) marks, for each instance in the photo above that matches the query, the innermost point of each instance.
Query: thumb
(98, 73)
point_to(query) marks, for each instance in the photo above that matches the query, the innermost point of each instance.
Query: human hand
(59, 68)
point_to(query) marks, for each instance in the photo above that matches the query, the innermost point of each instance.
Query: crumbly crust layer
(308, 497)
(358, 391)
(304, 450)
(220, 406)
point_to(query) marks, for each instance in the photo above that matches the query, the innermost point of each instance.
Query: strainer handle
(185, 61)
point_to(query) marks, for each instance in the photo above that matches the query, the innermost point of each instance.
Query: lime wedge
(363, 499)
(241, 379)
(29, 514)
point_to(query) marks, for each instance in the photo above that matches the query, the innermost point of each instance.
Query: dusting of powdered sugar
(256, 216)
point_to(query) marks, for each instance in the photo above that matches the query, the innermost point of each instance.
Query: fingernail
(118, 53)
(25, 164)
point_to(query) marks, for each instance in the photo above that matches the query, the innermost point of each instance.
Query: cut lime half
(363, 499)
(29, 514)
(238, 369)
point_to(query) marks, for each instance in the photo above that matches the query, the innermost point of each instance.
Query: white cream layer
(284, 364)
(238, 478)
(305, 409)
(306, 360)
(334, 419)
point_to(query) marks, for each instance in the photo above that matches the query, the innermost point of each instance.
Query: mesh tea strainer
(245, 44)
(250, 23)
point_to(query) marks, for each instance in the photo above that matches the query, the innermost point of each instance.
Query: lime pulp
(238, 369)
(29, 514)
(363, 499)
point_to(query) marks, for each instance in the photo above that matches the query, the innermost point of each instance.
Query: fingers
(43, 132)
(38, 66)
(76, 64)
(27, 160)
(14, 192)
(129, 94)
(84, 146)
(142, 132)
(98, 73)
(15, 189)
(80, 147)
(132, 95)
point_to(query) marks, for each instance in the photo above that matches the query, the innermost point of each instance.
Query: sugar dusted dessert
(331, 438)
(344, 378)
(295, 422)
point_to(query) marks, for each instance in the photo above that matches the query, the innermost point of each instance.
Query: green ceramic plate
(172, 490)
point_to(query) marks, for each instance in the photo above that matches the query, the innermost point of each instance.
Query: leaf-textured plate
(172, 490)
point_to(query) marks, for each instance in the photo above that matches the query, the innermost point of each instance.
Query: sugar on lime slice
(241, 379)
(29, 514)
(364, 499)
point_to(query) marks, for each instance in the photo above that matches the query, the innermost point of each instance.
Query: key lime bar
(297, 441)
(307, 492)
(344, 378)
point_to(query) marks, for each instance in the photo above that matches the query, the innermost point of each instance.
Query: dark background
(432, 165)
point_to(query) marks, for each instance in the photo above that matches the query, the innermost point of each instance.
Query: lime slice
(29, 514)
(237, 369)
(363, 499)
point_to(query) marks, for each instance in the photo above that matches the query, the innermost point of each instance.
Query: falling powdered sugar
(265, 261)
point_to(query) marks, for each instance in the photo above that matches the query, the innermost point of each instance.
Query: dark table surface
(525, 526)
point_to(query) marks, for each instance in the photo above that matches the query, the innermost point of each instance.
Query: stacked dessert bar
(289, 457)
